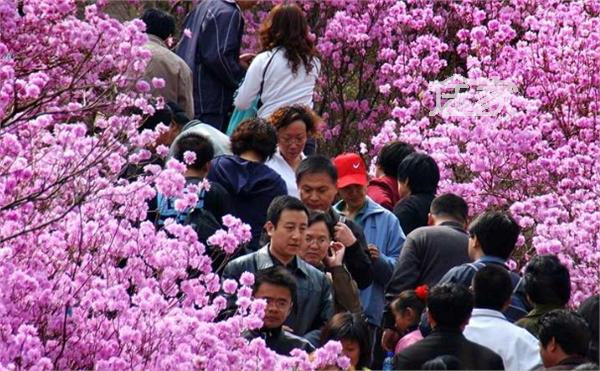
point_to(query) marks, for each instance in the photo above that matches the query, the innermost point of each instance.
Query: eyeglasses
(290, 140)
(280, 304)
(319, 241)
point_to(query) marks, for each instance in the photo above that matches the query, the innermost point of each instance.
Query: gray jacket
(314, 304)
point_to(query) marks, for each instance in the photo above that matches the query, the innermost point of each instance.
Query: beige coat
(177, 75)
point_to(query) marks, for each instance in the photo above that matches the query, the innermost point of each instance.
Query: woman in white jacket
(286, 71)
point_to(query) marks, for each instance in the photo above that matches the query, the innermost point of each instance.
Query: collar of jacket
(264, 261)
(491, 259)
(268, 333)
(454, 225)
(369, 208)
(572, 361)
(484, 312)
(540, 310)
(157, 40)
(447, 331)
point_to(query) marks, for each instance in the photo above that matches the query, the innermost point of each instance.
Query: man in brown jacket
(165, 64)
(320, 251)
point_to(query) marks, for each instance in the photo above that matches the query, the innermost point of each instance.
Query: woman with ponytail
(407, 309)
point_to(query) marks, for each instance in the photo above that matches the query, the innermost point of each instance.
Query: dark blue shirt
(463, 275)
(212, 53)
(252, 186)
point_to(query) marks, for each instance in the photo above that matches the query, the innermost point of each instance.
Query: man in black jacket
(449, 308)
(316, 177)
(428, 253)
(287, 220)
(278, 288)
(492, 239)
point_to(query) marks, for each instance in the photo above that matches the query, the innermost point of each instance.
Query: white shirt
(219, 140)
(281, 86)
(517, 347)
(281, 167)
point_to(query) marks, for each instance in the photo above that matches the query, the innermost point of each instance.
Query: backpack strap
(199, 206)
(163, 208)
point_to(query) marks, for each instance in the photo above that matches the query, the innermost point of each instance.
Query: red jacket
(384, 191)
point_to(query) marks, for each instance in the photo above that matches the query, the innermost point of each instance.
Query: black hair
(254, 135)
(282, 203)
(589, 311)
(163, 115)
(391, 155)
(451, 206)
(497, 233)
(316, 164)
(201, 146)
(276, 275)
(421, 171)
(409, 299)
(179, 115)
(547, 281)
(159, 23)
(492, 287)
(445, 362)
(318, 216)
(450, 305)
(568, 329)
(349, 326)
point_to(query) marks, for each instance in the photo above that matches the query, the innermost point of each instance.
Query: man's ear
(552, 345)
(430, 220)
(476, 243)
(269, 227)
(507, 304)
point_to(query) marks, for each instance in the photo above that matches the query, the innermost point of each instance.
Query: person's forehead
(320, 179)
(295, 127)
(272, 291)
(293, 216)
(318, 228)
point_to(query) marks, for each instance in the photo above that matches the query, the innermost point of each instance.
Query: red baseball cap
(351, 169)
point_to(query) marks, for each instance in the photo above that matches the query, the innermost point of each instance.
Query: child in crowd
(352, 331)
(407, 310)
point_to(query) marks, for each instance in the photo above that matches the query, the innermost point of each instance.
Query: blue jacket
(212, 53)
(252, 186)
(383, 230)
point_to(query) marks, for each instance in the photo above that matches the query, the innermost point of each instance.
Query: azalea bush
(85, 281)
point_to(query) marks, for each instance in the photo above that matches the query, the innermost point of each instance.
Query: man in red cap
(382, 232)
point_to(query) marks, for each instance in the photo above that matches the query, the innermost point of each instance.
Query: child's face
(351, 349)
(404, 320)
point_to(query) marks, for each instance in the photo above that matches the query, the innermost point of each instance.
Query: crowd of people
(383, 264)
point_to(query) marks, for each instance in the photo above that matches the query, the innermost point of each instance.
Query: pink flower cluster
(237, 234)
